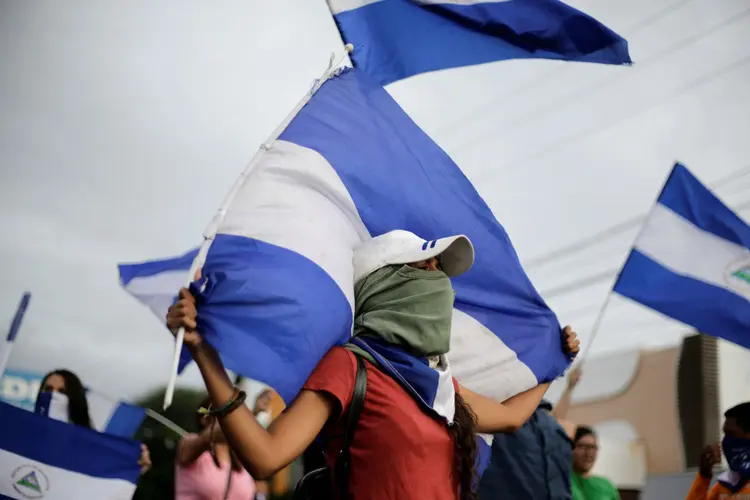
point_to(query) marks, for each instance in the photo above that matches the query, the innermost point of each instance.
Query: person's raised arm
(262, 452)
(560, 411)
(505, 417)
(512, 414)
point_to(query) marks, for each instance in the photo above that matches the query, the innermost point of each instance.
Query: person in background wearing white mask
(67, 384)
(262, 413)
(261, 410)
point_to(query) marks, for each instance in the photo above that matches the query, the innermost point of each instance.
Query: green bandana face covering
(406, 306)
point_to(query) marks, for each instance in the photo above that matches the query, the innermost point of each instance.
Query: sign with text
(20, 388)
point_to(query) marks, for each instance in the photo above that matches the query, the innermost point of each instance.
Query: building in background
(654, 411)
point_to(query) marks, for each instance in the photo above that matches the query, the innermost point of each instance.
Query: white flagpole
(210, 232)
(166, 422)
(15, 326)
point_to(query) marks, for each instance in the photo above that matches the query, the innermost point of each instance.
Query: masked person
(536, 461)
(71, 404)
(735, 482)
(401, 449)
(586, 486)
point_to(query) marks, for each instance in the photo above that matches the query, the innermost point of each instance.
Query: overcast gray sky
(123, 125)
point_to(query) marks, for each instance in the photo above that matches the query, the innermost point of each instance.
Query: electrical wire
(618, 228)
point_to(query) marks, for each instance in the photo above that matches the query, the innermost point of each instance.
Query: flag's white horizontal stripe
(445, 398)
(159, 290)
(457, 2)
(101, 410)
(294, 199)
(57, 483)
(158, 284)
(482, 362)
(338, 6)
(686, 249)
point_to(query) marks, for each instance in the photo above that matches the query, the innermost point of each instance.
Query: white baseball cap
(456, 253)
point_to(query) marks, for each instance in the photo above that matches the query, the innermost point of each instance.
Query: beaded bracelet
(238, 397)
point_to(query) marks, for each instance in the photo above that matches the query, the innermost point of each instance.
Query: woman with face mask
(734, 483)
(410, 443)
(72, 406)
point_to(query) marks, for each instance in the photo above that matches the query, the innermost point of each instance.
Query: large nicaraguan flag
(277, 290)
(107, 415)
(396, 39)
(691, 261)
(43, 458)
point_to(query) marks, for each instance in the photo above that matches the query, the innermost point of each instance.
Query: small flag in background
(277, 287)
(43, 458)
(156, 283)
(110, 416)
(15, 327)
(396, 39)
(691, 261)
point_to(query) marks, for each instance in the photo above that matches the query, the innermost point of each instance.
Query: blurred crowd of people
(363, 425)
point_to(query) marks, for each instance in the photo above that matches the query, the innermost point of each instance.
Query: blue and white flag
(691, 261)
(15, 327)
(43, 458)
(107, 415)
(396, 39)
(156, 283)
(277, 289)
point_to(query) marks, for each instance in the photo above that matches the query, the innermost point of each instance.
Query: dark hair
(545, 405)
(464, 434)
(78, 405)
(741, 415)
(583, 431)
(200, 420)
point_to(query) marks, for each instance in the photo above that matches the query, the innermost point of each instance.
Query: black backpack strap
(355, 409)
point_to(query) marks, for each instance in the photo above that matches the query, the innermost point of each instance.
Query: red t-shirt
(398, 451)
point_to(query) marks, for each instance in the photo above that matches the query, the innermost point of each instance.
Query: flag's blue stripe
(710, 309)
(413, 373)
(68, 447)
(395, 39)
(484, 453)
(151, 268)
(270, 305)
(126, 420)
(687, 197)
(433, 201)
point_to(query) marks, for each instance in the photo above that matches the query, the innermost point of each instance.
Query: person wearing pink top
(206, 468)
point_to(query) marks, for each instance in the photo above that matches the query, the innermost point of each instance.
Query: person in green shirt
(586, 486)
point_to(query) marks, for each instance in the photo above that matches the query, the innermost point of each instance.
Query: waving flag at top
(110, 416)
(692, 261)
(42, 458)
(277, 286)
(396, 39)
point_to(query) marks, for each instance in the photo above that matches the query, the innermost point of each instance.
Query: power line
(581, 93)
(619, 228)
(603, 276)
(543, 77)
(585, 282)
(605, 125)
